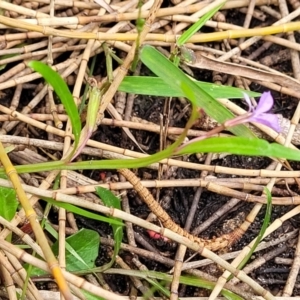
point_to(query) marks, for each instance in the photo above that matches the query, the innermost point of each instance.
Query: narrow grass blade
(196, 26)
(262, 230)
(62, 91)
(83, 212)
(187, 280)
(155, 86)
(234, 145)
(241, 145)
(176, 79)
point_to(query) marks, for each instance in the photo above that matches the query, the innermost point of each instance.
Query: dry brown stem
(215, 244)
(56, 32)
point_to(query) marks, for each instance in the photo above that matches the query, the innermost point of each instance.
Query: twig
(215, 244)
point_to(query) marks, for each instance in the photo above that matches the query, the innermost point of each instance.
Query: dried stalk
(32, 218)
(155, 207)
(122, 71)
(203, 62)
(181, 251)
(197, 38)
(128, 217)
(77, 281)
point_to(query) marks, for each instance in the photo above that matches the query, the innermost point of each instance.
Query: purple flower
(259, 113)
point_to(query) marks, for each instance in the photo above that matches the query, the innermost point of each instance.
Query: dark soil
(177, 201)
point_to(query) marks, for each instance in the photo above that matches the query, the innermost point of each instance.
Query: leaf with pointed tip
(179, 81)
(62, 91)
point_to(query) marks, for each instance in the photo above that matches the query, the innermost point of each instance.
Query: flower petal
(269, 120)
(265, 103)
(247, 99)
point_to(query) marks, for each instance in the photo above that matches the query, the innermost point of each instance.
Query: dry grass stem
(253, 45)
(218, 243)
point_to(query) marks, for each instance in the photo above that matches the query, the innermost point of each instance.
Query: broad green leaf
(155, 86)
(110, 200)
(72, 251)
(177, 80)
(8, 203)
(196, 26)
(86, 245)
(62, 91)
(240, 145)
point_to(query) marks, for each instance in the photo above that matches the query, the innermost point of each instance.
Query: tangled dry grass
(207, 191)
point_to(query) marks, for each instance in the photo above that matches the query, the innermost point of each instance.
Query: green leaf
(240, 145)
(62, 91)
(8, 203)
(83, 212)
(110, 200)
(86, 245)
(262, 230)
(2, 67)
(90, 296)
(155, 86)
(196, 26)
(234, 145)
(71, 250)
(186, 280)
(177, 80)
(91, 119)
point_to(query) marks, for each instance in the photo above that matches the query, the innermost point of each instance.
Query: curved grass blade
(176, 79)
(62, 91)
(233, 145)
(240, 145)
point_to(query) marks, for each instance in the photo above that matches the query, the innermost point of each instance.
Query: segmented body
(214, 244)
